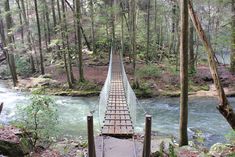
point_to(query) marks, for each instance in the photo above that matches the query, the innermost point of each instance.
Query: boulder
(45, 76)
(220, 149)
(68, 148)
(12, 143)
(187, 151)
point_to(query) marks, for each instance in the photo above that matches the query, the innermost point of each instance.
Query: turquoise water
(203, 114)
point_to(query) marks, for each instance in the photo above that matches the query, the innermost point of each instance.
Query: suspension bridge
(117, 118)
(117, 111)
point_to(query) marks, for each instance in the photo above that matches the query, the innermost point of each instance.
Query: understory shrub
(148, 71)
(39, 120)
(22, 66)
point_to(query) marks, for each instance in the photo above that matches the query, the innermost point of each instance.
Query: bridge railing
(130, 94)
(104, 94)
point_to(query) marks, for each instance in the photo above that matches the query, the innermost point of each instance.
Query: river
(203, 115)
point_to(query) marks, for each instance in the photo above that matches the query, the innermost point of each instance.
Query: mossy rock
(144, 93)
(76, 93)
(11, 149)
(12, 143)
(220, 149)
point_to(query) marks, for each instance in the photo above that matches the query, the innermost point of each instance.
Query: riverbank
(203, 122)
(51, 85)
(155, 80)
(12, 143)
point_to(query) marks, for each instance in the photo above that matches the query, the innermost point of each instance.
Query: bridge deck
(117, 121)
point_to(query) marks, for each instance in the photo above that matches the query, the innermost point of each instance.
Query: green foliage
(55, 42)
(143, 91)
(172, 151)
(5, 72)
(103, 43)
(231, 137)
(39, 119)
(172, 69)
(22, 66)
(231, 155)
(86, 85)
(161, 151)
(148, 71)
(199, 139)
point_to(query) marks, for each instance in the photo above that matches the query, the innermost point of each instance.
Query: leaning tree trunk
(184, 73)
(191, 49)
(224, 107)
(233, 39)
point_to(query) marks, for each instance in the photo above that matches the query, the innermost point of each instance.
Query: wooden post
(1, 106)
(147, 137)
(91, 143)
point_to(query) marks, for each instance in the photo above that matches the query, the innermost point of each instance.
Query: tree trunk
(93, 27)
(133, 40)
(82, 30)
(46, 24)
(112, 21)
(156, 41)
(148, 31)
(47, 21)
(21, 21)
(85, 38)
(65, 49)
(39, 38)
(26, 22)
(173, 28)
(209, 21)
(59, 23)
(3, 38)
(58, 10)
(68, 50)
(232, 58)
(10, 41)
(53, 13)
(184, 72)
(79, 42)
(224, 107)
(191, 49)
(2, 32)
(122, 28)
(45, 31)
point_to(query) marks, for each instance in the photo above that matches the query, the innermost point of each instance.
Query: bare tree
(184, 72)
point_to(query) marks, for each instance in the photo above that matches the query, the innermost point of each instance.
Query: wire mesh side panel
(130, 94)
(104, 94)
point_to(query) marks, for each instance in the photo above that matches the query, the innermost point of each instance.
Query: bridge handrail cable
(130, 94)
(104, 94)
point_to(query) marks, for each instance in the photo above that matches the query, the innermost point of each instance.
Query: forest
(106, 77)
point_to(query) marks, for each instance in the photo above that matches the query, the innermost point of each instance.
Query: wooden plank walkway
(117, 121)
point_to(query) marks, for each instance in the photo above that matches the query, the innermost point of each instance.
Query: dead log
(224, 107)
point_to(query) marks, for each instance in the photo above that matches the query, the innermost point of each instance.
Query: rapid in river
(203, 115)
